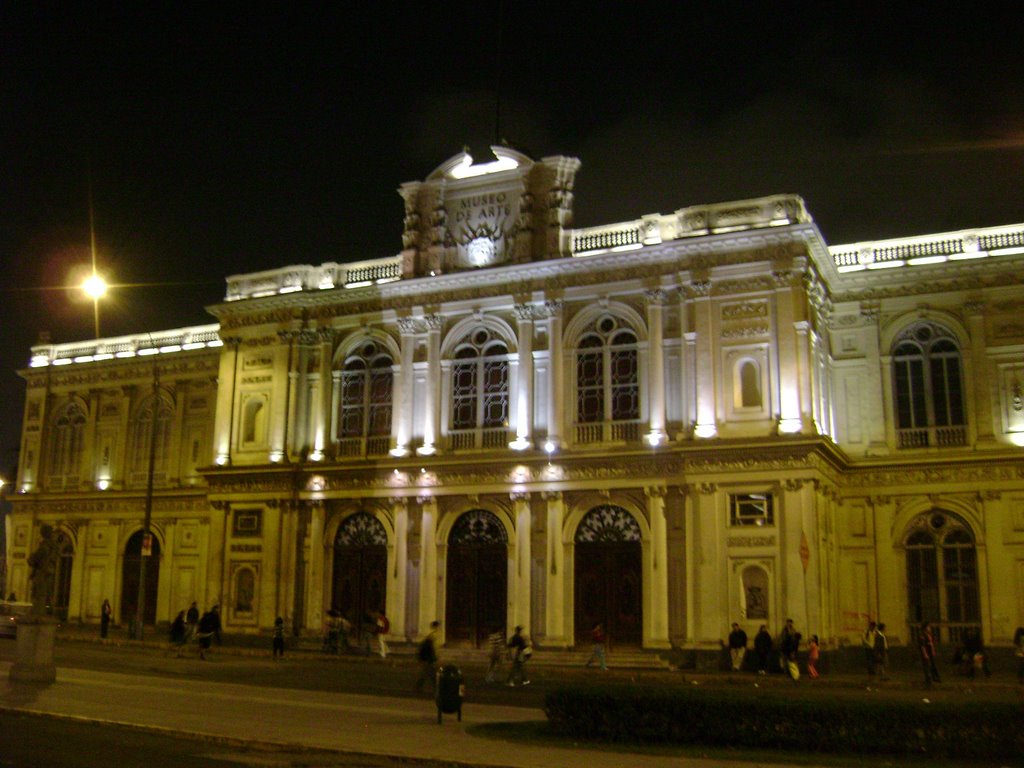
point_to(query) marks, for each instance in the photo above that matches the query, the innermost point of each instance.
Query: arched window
(143, 430)
(755, 593)
(66, 445)
(364, 416)
(480, 392)
(254, 421)
(607, 383)
(928, 388)
(942, 574)
(750, 385)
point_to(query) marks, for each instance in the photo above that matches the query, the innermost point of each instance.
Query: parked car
(9, 614)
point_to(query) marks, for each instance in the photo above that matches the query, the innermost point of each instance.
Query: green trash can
(450, 690)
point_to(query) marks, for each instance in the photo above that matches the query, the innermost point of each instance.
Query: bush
(985, 730)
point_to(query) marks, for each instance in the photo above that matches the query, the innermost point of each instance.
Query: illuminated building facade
(665, 425)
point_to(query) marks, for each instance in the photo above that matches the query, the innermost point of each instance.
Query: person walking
(926, 647)
(763, 646)
(381, 628)
(881, 656)
(191, 621)
(737, 647)
(518, 650)
(426, 654)
(277, 644)
(789, 645)
(208, 629)
(178, 633)
(813, 653)
(106, 613)
(598, 638)
(495, 651)
(868, 644)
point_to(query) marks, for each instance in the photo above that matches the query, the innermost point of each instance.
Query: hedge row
(983, 730)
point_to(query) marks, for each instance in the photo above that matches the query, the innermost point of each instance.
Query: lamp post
(145, 551)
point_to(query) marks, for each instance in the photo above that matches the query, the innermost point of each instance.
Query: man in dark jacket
(737, 647)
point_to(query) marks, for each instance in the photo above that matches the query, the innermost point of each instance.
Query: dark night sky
(218, 143)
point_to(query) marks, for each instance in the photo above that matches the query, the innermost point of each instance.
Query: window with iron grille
(480, 382)
(607, 378)
(928, 387)
(67, 441)
(942, 571)
(366, 391)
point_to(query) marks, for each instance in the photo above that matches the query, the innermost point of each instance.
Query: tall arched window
(750, 385)
(942, 574)
(479, 392)
(607, 383)
(928, 388)
(66, 445)
(143, 430)
(364, 416)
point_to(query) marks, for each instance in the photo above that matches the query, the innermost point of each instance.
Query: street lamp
(95, 287)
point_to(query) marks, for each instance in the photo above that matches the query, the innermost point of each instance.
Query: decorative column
(805, 375)
(398, 567)
(224, 423)
(303, 428)
(401, 414)
(689, 562)
(556, 368)
(785, 336)
(173, 462)
(796, 532)
(554, 563)
(656, 367)
(321, 438)
(524, 386)
(432, 405)
(428, 564)
(280, 405)
(89, 476)
(657, 608)
(315, 580)
(705, 362)
(709, 567)
(521, 581)
(980, 384)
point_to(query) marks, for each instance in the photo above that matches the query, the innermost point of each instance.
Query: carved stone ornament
(607, 523)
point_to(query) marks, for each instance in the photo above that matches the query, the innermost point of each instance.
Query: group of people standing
(785, 648)
(189, 626)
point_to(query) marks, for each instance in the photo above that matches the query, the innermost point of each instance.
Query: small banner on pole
(805, 550)
(147, 546)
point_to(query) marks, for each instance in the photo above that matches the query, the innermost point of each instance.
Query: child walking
(812, 658)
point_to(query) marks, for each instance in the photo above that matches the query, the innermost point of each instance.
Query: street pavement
(348, 722)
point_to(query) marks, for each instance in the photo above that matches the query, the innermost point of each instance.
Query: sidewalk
(335, 721)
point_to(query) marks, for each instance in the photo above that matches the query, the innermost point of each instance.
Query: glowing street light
(95, 287)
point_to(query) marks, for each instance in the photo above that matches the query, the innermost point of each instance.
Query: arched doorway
(62, 576)
(942, 575)
(130, 579)
(360, 570)
(608, 575)
(477, 578)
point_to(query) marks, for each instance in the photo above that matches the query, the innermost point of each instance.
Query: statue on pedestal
(43, 565)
